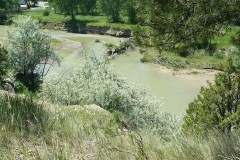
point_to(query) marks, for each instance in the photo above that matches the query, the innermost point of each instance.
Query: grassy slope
(71, 132)
(76, 132)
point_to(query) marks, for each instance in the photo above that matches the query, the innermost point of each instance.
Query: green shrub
(96, 83)
(3, 62)
(46, 12)
(144, 59)
(234, 53)
(216, 108)
(218, 55)
(109, 45)
(3, 17)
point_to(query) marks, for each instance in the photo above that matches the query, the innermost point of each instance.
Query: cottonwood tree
(217, 107)
(130, 11)
(6, 6)
(31, 51)
(174, 23)
(87, 6)
(66, 7)
(112, 8)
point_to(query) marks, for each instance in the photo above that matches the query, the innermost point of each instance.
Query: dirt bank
(200, 76)
(84, 29)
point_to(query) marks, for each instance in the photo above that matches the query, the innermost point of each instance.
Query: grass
(73, 132)
(77, 132)
(20, 114)
(225, 41)
(88, 20)
(198, 59)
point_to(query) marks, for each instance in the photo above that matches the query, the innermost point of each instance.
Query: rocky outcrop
(121, 48)
(82, 28)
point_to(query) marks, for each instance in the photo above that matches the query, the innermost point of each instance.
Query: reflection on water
(176, 92)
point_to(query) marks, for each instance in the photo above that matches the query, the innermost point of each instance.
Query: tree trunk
(72, 16)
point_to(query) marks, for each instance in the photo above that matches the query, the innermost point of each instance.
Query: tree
(31, 52)
(66, 7)
(130, 11)
(217, 107)
(34, 2)
(3, 62)
(87, 6)
(7, 4)
(28, 2)
(112, 8)
(5, 7)
(54, 4)
(170, 24)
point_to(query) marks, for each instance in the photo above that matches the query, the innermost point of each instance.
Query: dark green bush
(3, 62)
(46, 12)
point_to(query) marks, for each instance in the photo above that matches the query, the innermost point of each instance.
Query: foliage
(112, 8)
(66, 7)
(87, 6)
(28, 2)
(8, 4)
(234, 53)
(31, 51)
(86, 19)
(170, 24)
(96, 83)
(18, 114)
(130, 11)
(46, 12)
(216, 108)
(3, 62)
(109, 45)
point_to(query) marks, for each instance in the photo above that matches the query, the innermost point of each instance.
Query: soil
(200, 76)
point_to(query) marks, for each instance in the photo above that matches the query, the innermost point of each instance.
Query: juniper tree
(174, 23)
(217, 107)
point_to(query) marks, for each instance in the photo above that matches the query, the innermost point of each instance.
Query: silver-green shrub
(95, 82)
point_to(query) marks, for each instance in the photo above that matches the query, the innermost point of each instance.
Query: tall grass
(20, 114)
(89, 132)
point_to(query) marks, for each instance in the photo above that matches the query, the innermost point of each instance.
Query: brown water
(176, 92)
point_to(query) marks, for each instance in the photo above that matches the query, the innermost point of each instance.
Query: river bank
(88, 29)
(199, 76)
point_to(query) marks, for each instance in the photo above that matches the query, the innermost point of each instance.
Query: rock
(97, 41)
(142, 51)
(109, 52)
(8, 85)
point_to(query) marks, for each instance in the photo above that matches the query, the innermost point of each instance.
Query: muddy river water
(176, 92)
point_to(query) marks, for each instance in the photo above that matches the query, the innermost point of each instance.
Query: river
(176, 92)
